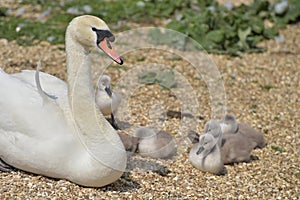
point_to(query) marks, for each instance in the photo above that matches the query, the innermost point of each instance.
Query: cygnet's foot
(223, 172)
(253, 157)
(5, 167)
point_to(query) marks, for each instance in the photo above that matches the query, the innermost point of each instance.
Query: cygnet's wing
(247, 131)
(53, 85)
(236, 148)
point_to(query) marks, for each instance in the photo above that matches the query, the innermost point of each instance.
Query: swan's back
(26, 121)
(20, 98)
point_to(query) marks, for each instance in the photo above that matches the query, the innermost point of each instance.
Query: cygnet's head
(206, 142)
(229, 124)
(213, 127)
(91, 32)
(104, 84)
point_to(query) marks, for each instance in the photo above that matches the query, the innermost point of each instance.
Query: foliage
(164, 78)
(278, 149)
(218, 28)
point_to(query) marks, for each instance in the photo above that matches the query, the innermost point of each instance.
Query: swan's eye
(94, 29)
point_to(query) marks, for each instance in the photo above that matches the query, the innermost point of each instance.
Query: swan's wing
(23, 109)
(36, 154)
(32, 132)
(44, 94)
(51, 85)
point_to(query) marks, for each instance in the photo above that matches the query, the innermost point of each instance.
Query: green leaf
(243, 34)
(270, 32)
(276, 148)
(216, 36)
(166, 79)
(147, 77)
(257, 26)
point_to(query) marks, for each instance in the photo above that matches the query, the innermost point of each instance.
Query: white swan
(155, 144)
(107, 100)
(206, 155)
(66, 137)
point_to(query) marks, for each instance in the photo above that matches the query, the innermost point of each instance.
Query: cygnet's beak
(200, 150)
(108, 91)
(105, 45)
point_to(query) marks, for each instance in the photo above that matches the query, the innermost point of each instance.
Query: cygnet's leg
(113, 122)
(5, 167)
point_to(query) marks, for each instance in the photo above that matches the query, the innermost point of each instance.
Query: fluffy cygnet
(229, 125)
(107, 100)
(155, 144)
(206, 155)
(236, 148)
(236, 144)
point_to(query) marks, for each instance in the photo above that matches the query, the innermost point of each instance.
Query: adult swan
(64, 137)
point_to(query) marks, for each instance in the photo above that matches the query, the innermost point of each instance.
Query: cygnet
(229, 125)
(107, 100)
(155, 144)
(206, 155)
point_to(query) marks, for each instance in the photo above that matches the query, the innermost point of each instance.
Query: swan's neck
(93, 130)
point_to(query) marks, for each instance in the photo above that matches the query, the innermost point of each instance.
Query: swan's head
(229, 123)
(206, 142)
(91, 32)
(213, 127)
(104, 84)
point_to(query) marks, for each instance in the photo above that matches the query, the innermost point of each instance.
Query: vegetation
(218, 28)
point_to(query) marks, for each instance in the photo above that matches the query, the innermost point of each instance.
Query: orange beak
(105, 46)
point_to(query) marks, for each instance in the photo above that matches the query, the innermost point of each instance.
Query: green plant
(217, 28)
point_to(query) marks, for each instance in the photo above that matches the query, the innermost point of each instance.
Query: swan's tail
(43, 94)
